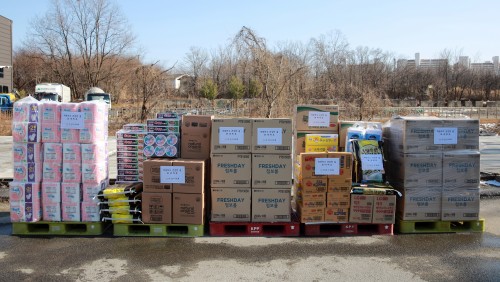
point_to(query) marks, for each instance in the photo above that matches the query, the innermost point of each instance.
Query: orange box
(313, 185)
(308, 165)
(337, 214)
(345, 167)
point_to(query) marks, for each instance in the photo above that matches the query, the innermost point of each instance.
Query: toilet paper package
(26, 110)
(72, 153)
(70, 135)
(95, 152)
(70, 107)
(21, 211)
(51, 192)
(72, 173)
(26, 192)
(71, 193)
(90, 212)
(90, 190)
(71, 212)
(51, 132)
(52, 152)
(94, 112)
(26, 152)
(50, 112)
(94, 172)
(93, 133)
(52, 211)
(52, 171)
(28, 172)
(26, 132)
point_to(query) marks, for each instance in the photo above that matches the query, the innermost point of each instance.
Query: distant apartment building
(6, 74)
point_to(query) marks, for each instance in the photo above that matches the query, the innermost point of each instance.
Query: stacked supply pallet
(130, 153)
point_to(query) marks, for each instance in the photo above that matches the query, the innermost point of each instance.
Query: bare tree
(195, 64)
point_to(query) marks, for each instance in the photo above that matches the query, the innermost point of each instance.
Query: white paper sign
(232, 135)
(372, 162)
(445, 135)
(269, 136)
(173, 174)
(319, 119)
(327, 166)
(72, 120)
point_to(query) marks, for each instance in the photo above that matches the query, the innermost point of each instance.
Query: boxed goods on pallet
(272, 136)
(156, 207)
(336, 214)
(308, 215)
(384, 209)
(25, 202)
(188, 208)
(460, 203)
(319, 143)
(461, 169)
(196, 136)
(312, 185)
(271, 205)
(231, 170)
(316, 117)
(312, 200)
(422, 203)
(152, 175)
(194, 176)
(412, 170)
(361, 210)
(231, 204)
(271, 171)
(231, 136)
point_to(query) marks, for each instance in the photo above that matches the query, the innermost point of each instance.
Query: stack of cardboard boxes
(435, 164)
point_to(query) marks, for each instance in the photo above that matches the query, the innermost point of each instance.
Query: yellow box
(321, 149)
(322, 140)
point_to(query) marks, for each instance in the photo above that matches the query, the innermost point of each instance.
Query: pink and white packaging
(70, 107)
(21, 211)
(26, 132)
(94, 172)
(71, 211)
(52, 152)
(72, 173)
(28, 172)
(51, 132)
(25, 192)
(90, 212)
(71, 193)
(26, 110)
(27, 152)
(70, 135)
(72, 153)
(50, 112)
(52, 171)
(90, 191)
(94, 111)
(51, 192)
(52, 211)
(94, 152)
(93, 133)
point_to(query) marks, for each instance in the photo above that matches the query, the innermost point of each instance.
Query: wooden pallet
(265, 229)
(347, 229)
(421, 226)
(47, 228)
(158, 230)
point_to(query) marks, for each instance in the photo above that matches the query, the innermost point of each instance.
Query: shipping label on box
(313, 185)
(416, 170)
(188, 208)
(196, 136)
(361, 208)
(271, 205)
(460, 204)
(333, 214)
(271, 171)
(156, 207)
(194, 176)
(231, 170)
(231, 135)
(308, 165)
(420, 204)
(461, 169)
(231, 204)
(152, 175)
(317, 117)
(384, 209)
(272, 136)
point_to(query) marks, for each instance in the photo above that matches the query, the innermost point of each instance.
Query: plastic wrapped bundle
(121, 203)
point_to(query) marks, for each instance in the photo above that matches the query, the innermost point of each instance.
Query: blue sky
(167, 29)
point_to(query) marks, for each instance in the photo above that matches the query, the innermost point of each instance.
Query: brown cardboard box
(343, 126)
(361, 210)
(345, 168)
(231, 170)
(317, 117)
(272, 136)
(415, 170)
(412, 135)
(271, 171)
(333, 186)
(311, 214)
(313, 200)
(461, 169)
(188, 208)
(467, 132)
(152, 175)
(299, 140)
(271, 205)
(338, 200)
(194, 176)
(337, 214)
(460, 204)
(308, 165)
(420, 203)
(231, 135)
(196, 136)
(313, 185)
(231, 204)
(384, 209)
(157, 207)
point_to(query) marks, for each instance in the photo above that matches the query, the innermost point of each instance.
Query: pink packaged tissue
(92, 173)
(70, 107)
(72, 153)
(71, 193)
(27, 152)
(71, 211)
(51, 192)
(72, 173)
(52, 152)
(50, 112)
(70, 135)
(51, 132)
(28, 172)
(22, 191)
(94, 112)
(52, 211)
(93, 133)
(21, 211)
(95, 152)
(26, 110)
(90, 191)
(90, 212)
(52, 171)
(26, 132)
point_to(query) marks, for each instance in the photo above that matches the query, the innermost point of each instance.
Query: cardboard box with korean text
(464, 133)
(272, 136)
(313, 185)
(271, 205)
(188, 208)
(384, 209)
(231, 135)
(231, 170)
(316, 117)
(336, 214)
(194, 176)
(461, 169)
(308, 165)
(412, 135)
(460, 204)
(338, 200)
(271, 171)
(311, 214)
(312, 200)
(415, 170)
(340, 168)
(152, 175)
(420, 203)
(196, 136)
(157, 208)
(361, 210)
(231, 204)
(319, 143)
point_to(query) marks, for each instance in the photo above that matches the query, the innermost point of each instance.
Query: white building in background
(6, 73)
(434, 64)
